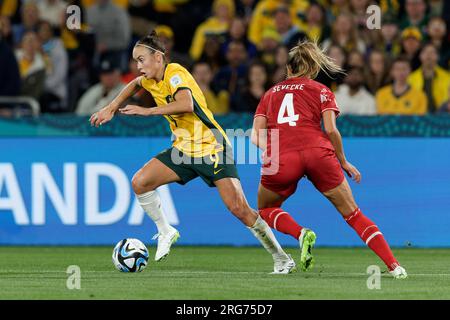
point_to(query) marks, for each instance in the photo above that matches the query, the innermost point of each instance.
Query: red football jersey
(295, 107)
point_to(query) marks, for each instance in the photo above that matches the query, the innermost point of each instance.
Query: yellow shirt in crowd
(440, 84)
(412, 102)
(263, 16)
(8, 7)
(211, 26)
(217, 103)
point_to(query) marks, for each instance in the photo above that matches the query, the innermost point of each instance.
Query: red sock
(281, 221)
(371, 235)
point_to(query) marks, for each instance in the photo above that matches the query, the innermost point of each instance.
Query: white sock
(151, 203)
(264, 234)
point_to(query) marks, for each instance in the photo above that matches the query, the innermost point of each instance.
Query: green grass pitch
(219, 273)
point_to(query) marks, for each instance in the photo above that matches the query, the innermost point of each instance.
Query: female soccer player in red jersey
(295, 144)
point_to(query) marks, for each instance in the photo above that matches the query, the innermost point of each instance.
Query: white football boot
(165, 241)
(284, 265)
(399, 273)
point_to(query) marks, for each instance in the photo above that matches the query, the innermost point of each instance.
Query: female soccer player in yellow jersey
(201, 148)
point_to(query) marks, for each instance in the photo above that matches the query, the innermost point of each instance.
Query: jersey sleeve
(261, 109)
(178, 78)
(328, 101)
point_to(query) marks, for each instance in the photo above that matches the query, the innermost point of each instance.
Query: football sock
(371, 235)
(265, 235)
(151, 203)
(281, 221)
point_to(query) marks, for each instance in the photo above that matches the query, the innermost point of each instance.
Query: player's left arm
(329, 123)
(259, 132)
(183, 103)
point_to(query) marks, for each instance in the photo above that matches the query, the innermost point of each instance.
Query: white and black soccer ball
(130, 255)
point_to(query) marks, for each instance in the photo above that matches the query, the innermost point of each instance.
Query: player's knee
(342, 199)
(348, 209)
(141, 185)
(347, 205)
(239, 209)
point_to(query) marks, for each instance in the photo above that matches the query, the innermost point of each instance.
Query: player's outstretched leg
(232, 195)
(367, 230)
(374, 239)
(269, 203)
(283, 263)
(145, 182)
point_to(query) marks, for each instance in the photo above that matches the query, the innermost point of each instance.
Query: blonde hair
(306, 59)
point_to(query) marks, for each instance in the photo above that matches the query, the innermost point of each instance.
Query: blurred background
(235, 49)
(59, 177)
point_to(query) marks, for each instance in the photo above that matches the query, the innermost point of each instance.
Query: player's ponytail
(152, 42)
(307, 59)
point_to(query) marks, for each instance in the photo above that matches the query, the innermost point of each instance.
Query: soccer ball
(130, 255)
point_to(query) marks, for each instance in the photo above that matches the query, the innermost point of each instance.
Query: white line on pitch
(164, 272)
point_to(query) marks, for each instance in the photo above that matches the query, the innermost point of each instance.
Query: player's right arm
(107, 112)
(329, 123)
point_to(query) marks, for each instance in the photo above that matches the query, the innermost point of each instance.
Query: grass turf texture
(218, 273)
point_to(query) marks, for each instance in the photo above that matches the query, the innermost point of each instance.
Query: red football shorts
(319, 165)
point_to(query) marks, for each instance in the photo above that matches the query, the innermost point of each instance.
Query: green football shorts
(210, 168)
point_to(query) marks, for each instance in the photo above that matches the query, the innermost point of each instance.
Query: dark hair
(45, 23)
(401, 58)
(355, 68)
(198, 63)
(260, 64)
(152, 40)
(315, 3)
(237, 42)
(429, 44)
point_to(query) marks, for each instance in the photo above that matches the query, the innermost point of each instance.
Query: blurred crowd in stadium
(235, 49)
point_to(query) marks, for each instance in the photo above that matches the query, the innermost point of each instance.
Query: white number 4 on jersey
(288, 106)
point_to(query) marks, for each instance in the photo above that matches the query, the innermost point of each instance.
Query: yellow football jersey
(412, 102)
(197, 134)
